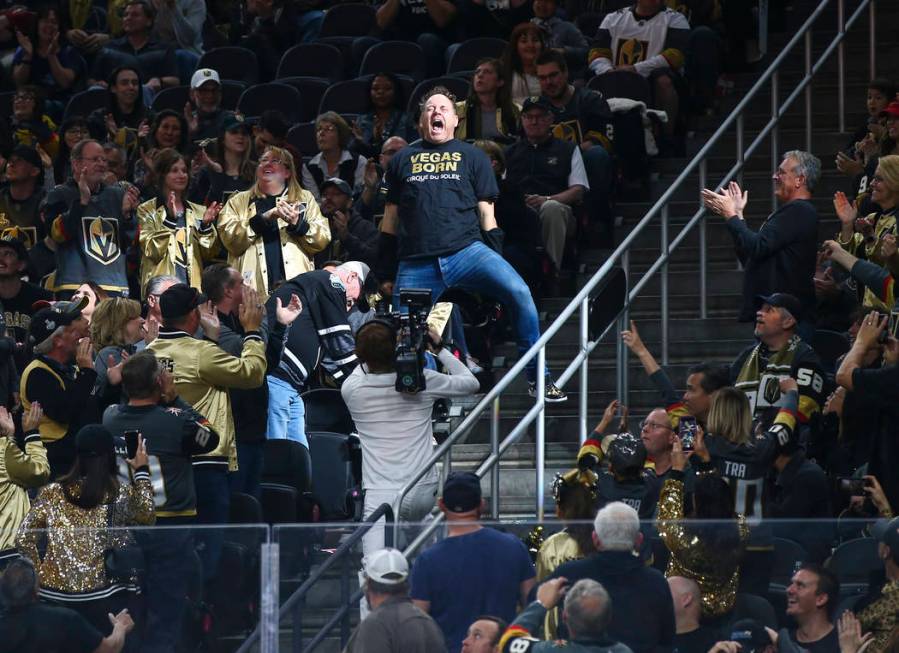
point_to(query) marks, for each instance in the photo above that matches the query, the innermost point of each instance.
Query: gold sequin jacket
(77, 538)
(717, 572)
(558, 548)
(881, 617)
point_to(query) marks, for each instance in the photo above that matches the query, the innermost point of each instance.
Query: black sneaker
(551, 394)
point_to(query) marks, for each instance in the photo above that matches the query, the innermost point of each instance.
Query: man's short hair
(78, 150)
(275, 123)
(376, 345)
(438, 90)
(807, 165)
(714, 377)
(216, 278)
(139, 374)
(617, 525)
(884, 86)
(149, 11)
(18, 584)
(588, 609)
(552, 55)
(501, 625)
(155, 284)
(828, 583)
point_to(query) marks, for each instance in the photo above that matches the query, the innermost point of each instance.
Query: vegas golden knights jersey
(648, 44)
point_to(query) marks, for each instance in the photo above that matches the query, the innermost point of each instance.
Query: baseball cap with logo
(15, 239)
(338, 183)
(751, 635)
(536, 102)
(462, 492)
(203, 75)
(49, 319)
(626, 453)
(781, 300)
(386, 566)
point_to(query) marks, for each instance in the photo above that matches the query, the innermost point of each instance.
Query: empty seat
(311, 91)
(398, 57)
(279, 503)
(173, 97)
(854, 561)
(458, 86)
(788, 555)
(302, 137)
(81, 104)
(232, 62)
(273, 95)
(471, 51)
(286, 462)
(312, 60)
(750, 606)
(350, 19)
(621, 83)
(245, 509)
(231, 92)
(336, 474)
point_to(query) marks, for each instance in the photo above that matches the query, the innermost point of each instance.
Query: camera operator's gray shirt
(395, 427)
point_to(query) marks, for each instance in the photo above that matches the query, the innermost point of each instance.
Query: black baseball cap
(750, 634)
(94, 440)
(626, 453)
(49, 319)
(462, 492)
(179, 300)
(781, 300)
(27, 153)
(15, 240)
(537, 101)
(235, 121)
(341, 185)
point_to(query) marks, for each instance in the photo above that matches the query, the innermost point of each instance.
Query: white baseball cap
(360, 268)
(386, 566)
(203, 75)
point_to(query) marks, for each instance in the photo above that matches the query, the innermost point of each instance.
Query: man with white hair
(643, 618)
(586, 612)
(690, 637)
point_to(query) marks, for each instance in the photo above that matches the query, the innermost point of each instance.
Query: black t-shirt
(40, 628)
(437, 189)
(412, 19)
(830, 643)
(880, 390)
(585, 117)
(17, 314)
(696, 641)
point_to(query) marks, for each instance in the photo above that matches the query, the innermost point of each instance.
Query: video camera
(411, 326)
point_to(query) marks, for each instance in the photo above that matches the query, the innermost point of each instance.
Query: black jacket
(360, 244)
(643, 611)
(780, 257)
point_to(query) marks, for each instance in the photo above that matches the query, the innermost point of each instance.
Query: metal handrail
(660, 208)
(385, 510)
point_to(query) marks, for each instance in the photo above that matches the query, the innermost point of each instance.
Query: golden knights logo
(568, 131)
(28, 235)
(631, 52)
(771, 391)
(101, 238)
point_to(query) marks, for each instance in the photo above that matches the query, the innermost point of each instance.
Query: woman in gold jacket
(272, 230)
(177, 237)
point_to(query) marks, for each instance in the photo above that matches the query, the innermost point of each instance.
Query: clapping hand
(7, 426)
(209, 321)
(114, 370)
(31, 418)
(211, 213)
(287, 314)
(130, 200)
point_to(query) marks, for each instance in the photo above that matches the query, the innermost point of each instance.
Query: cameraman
(395, 427)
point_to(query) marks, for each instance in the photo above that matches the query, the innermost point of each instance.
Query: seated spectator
(483, 635)
(384, 117)
(332, 136)
(873, 237)
(273, 230)
(42, 60)
(29, 123)
(17, 297)
(649, 39)
(86, 29)
(431, 25)
(551, 174)
(587, 612)
(880, 93)
(180, 23)
(748, 634)
(575, 494)
(73, 129)
(154, 60)
(90, 496)
(204, 114)
(691, 635)
(225, 167)
(116, 328)
(643, 618)
(488, 113)
(168, 130)
(116, 163)
(561, 33)
(475, 570)
(812, 597)
(878, 611)
(708, 553)
(526, 43)
(395, 624)
(88, 219)
(21, 196)
(61, 378)
(26, 468)
(374, 191)
(124, 114)
(35, 625)
(177, 237)
(353, 238)
(270, 130)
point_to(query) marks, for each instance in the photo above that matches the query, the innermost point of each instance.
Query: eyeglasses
(646, 425)
(325, 129)
(274, 162)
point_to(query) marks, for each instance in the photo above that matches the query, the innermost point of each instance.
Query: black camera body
(411, 326)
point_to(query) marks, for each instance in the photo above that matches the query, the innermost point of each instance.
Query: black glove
(494, 239)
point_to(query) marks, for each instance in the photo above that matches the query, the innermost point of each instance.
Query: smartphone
(687, 428)
(853, 486)
(131, 437)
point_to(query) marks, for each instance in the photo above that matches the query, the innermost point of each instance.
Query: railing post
(775, 132)
(344, 598)
(663, 252)
(582, 397)
(841, 66)
(872, 38)
(621, 348)
(494, 471)
(541, 432)
(269, 600)
(703, 250)
(740, 147)
(808, 91)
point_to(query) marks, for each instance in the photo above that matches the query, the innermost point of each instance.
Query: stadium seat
(231, 92)
(302, 137)
(397, 57)
(279, 503)
(245, 509)
(750, 606)
(81, 104)
(336, 474)
(326, 410)
(232, 62)
(787, 556)
(173, 97)
(853, 562)
(468, 54)
(459, 87)
(622, 84)
(349, 20)
(273, 95)
(312, 60)
(311, 91)
(351, 96)
(829, 345)
(588, 24)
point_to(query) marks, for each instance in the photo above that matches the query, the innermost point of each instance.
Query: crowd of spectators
(173, 280)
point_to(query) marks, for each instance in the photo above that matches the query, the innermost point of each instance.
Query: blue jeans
(213, 506)
(286, 412)
(479, 269)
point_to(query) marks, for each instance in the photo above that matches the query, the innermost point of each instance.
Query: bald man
(689, 636)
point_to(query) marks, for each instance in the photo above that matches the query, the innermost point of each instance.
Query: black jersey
(173, 434)
(641, 494)
(745, 468)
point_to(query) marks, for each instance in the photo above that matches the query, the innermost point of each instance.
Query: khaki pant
(556, 222)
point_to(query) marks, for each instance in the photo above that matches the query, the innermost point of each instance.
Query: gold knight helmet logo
(772, 390)
(101, 238)
(631, 52)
